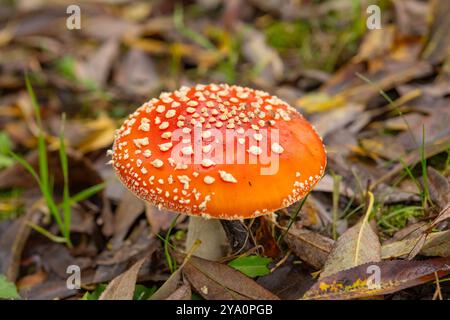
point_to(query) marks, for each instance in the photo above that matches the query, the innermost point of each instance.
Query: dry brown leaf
(137, 73)
(357, 245)
(375, 43)
(261, 55)
(439, 188)
(288, 281)
(360, 282)
(99, 65)
(159, 220)
(217, 281)
(327, 123)
(442, 216)
(12, 243)
(309, 246)
(182, 293)
(169, 287)
(129, 209)
(435, 244)
(437, 47)
(123, 286)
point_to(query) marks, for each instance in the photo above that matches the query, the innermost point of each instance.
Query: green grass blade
(43, 162)
(46, 233)
(87, 193)
(410, 174)
(27, 166)
(170, 261)
(66, 194)
(292, 219)
(45, 192)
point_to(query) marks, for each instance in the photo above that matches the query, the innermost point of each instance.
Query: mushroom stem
(212, 236)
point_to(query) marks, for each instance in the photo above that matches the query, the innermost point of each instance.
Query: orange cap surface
(219, 151)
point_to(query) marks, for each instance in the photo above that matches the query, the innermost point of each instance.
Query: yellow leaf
(320, 101)
(101, 134)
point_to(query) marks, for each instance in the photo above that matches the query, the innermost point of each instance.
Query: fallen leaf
(311, 247)
(357, 245)
(413, 157)
(435, 244)
(288, 281)
(53, 287)
(411, 17)
(129, 209)
(135, 248)
(123, 286)
(99, 65)
(182, 293)
(31, 280)
(7, 289)
(169, 287)
(395, 275)
(439, 188)
(327, 123)
(442, 216)
(159, 220)
(251, 266)
(12, 243)
(137, 74)
(437, 46)
(261, 55)
(375, 44)
(99, 134)
(216, 281)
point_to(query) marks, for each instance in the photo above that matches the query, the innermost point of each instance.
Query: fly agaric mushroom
(218, 152)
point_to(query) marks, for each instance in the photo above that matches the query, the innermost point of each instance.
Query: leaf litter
(379, 98)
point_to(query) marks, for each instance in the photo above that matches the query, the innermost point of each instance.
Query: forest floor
(379, 98)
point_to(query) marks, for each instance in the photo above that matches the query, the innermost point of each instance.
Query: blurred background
(377, 96)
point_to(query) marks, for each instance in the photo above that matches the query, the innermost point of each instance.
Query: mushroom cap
(218, 151)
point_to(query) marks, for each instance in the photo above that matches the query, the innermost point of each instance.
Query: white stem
(212, 236)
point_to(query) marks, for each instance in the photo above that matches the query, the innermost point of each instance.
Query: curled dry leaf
(12, 243)
(435, 244)
(422, 238)
(216, 281)
(361, 281)
(122, 287)
(439, 187)
(442, 216)
(169, 287)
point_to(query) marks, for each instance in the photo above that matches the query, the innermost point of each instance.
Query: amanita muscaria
(218, 152)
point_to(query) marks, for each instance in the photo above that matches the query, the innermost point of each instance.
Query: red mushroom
(218, 151)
